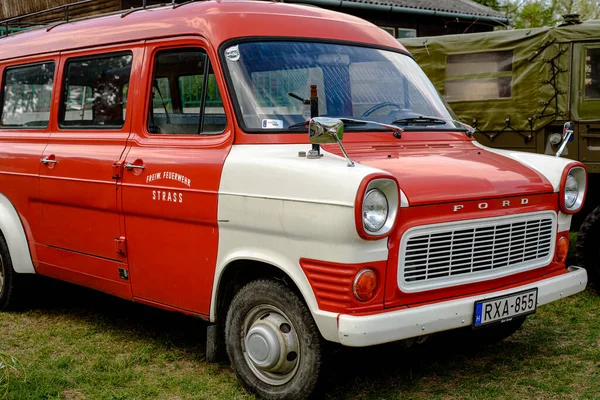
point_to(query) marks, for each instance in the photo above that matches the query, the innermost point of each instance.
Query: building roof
(464, 9)
(451, 6)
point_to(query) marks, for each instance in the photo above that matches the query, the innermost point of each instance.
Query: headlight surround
(573, 189)
(375, 210)
(376, 206)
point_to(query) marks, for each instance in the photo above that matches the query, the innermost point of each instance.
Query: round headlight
(375, 210)
(571, 191)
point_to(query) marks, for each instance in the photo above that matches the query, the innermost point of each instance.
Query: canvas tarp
(539, 88)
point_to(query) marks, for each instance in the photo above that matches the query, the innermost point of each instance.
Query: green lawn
(73, 343)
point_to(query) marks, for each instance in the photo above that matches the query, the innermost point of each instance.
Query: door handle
(131, 166)
(46, 160)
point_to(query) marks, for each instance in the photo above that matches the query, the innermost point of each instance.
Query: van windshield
(352, 82)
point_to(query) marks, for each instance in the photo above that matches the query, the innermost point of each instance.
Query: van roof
(216, 20)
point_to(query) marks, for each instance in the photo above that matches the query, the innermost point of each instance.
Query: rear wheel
(273, 342)
(8, 278)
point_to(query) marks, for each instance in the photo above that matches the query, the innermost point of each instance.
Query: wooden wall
(12, 8)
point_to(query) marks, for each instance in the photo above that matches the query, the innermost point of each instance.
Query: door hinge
(117, 170)
(120, 246)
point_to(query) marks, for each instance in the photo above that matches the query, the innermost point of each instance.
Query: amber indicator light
(365, 285)
(562, 248)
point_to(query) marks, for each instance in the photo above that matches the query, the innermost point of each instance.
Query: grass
(73, 343)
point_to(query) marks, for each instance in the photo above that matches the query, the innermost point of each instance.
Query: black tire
(9, 280)
(588, 248)
(265, 304)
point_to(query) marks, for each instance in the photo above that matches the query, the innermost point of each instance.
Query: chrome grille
(444, 253)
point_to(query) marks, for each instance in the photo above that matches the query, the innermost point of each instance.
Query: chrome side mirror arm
(567, 133)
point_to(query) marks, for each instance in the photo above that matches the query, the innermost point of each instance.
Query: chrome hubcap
(270, 345)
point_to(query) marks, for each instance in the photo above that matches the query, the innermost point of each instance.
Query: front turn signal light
(365, 284)
(562, 249)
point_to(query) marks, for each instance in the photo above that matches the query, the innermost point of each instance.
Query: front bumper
(359, 331)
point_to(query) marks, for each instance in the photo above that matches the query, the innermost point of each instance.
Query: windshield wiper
(396, 129)
(421, 120)
(346, 122)
(303, 125)
(425, 120)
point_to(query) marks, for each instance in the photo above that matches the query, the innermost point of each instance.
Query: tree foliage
(536, 13)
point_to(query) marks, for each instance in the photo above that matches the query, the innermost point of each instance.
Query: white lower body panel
(359, 331)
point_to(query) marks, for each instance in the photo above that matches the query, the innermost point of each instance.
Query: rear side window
(592, 74)
(185, 96)
(95, 91)
(26, 96)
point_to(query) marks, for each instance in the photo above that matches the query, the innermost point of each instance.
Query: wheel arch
(242, 269)
(13, 230)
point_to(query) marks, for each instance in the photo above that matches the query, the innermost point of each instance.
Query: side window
(479, 76)
(95, 91)
(592, 74)
(185, 95)
(26, 95)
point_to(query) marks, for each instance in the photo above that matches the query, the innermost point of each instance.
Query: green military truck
(517, 88)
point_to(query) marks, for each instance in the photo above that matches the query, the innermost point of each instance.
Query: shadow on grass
(385, 370)
(121, 317)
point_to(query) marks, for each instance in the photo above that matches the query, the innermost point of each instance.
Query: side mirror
(567, 133)
(323, 130)
(568, 129)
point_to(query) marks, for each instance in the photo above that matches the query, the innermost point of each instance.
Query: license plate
(504, 308)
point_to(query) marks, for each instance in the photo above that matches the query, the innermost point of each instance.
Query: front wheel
(273, 342)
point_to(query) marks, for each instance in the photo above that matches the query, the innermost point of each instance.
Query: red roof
(218, 21)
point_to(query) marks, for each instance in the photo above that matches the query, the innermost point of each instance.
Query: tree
(536, 13)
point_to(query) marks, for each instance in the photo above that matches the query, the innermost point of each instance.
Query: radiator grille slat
(434, 255)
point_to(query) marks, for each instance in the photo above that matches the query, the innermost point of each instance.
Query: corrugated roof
(449, 6)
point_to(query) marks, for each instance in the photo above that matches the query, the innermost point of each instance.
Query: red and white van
(162, 156)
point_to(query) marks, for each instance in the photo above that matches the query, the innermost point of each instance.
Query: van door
(585, 95)
(27, 88)
(80, 202)
(172, 174)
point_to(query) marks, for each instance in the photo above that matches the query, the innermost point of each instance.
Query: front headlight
(375, 210)
(573, 190)
(377, 203)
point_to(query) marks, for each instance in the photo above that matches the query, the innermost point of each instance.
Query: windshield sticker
(232, 53)
(173, 176)
(272, 124)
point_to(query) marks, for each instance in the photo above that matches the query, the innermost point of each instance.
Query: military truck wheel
(273, 342)
(588, 246)
(9, 280)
